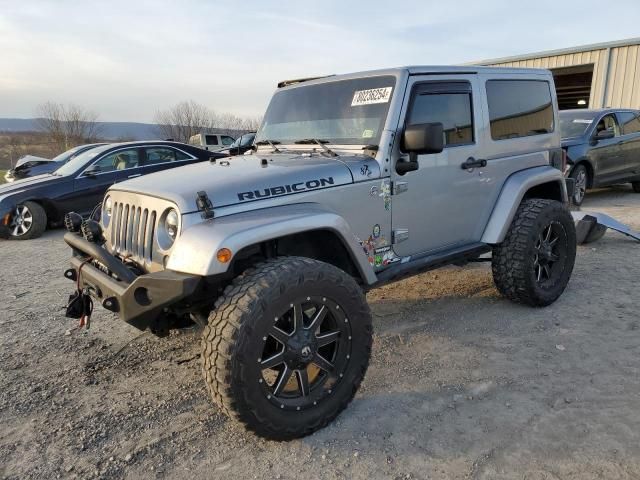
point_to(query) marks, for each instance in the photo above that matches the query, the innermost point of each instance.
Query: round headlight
(108, 206)
(171, 224)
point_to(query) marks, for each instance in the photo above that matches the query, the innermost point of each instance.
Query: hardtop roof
(413, 70)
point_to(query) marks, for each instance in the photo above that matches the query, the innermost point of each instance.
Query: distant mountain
(108, 130)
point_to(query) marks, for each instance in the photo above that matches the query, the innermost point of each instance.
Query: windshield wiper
(271, 143)
(311, 141)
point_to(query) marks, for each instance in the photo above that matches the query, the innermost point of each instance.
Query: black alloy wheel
(305, 353)
(550, 253)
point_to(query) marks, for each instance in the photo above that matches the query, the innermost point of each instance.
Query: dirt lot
(462, 384)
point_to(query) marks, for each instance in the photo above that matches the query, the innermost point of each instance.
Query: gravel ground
(462, 384)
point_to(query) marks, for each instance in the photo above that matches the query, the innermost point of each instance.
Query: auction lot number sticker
(374, 95)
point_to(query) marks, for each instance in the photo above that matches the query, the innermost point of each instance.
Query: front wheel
(287, 346)
(28, 220)
(581, 177)
(534, 262)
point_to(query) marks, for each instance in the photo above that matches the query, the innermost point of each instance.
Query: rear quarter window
(629, 122)
(519, 108)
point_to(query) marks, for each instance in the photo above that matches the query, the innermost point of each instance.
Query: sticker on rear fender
(374, 95)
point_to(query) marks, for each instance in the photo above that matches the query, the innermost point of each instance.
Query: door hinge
(400, 235)
(399, 187)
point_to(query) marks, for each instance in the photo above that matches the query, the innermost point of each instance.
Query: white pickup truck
(211, 141)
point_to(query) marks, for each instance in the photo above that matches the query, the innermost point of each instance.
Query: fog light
(73, 222)
(224, 255)
(92, 232)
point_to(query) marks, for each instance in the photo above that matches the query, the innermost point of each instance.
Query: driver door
(607, 153)
(89, 188)
(442, 204)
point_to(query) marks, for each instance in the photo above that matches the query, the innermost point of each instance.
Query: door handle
(134, 176)
(473, 163)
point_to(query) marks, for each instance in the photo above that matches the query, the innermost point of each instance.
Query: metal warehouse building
(593, 76)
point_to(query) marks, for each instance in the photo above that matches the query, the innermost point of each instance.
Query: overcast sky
(127, 59)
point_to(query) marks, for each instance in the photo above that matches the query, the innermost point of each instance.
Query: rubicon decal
(285, 189)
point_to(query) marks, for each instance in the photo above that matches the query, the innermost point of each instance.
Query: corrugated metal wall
(623, 65)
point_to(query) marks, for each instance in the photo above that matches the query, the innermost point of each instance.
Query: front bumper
(139, 300)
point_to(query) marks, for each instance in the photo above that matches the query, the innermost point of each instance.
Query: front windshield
(575, 124)
(64, 156)
(350, 112)
(244, 141)
(79, 161)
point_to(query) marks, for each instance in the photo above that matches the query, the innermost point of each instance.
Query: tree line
(69, 125)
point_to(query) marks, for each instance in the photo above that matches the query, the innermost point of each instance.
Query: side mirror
(92, 171)
(604, 135)
(421, 138)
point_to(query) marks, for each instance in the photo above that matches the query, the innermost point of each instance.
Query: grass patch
(2, 172)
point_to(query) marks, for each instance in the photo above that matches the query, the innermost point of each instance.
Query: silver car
(356, 180)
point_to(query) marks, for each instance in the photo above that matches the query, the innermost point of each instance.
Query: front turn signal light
(224, 255)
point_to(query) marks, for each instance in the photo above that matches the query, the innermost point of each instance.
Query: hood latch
(204, 205)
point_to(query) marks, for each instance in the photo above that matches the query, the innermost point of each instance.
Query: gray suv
(356, 180)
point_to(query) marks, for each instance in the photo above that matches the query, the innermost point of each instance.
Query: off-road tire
(580, 175)
(513, 261)
(636, 187)
(236, 327)
(38, 224)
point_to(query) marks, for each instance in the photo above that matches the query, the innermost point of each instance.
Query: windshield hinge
(204, 205)
(399, 187)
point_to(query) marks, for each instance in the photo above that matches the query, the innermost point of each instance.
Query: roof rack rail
(286, 83)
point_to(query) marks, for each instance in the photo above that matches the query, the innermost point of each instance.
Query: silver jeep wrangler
(354, 181)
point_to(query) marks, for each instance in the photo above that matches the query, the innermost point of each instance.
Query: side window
(180, 155)
(629, 122)
(608, 123)
(432, 103)
(211, 139)
(120, 160)
(157, 155)
(519, 108)
(226, 140)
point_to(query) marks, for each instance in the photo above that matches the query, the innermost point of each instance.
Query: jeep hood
(251, 178)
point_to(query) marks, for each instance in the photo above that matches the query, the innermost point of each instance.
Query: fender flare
(589, 164)
(195, 250)
(513, 191)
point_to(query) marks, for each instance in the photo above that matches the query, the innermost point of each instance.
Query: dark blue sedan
(602, 147)
(28, 206)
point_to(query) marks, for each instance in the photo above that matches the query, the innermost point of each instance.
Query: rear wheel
(534, 262)
(581, 177)
(28, 220)
(287, 346)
